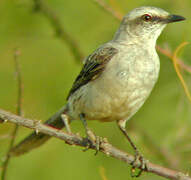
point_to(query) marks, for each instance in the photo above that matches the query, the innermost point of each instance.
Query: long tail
(35, 140)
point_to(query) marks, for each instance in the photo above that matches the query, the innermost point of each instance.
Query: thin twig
(18, 111)
(58, 28)
(109, 9)
(169, 54)
(174, 59)
(115, 5)
(102, 173)
(105, 146)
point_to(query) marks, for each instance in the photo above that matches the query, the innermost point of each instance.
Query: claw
(143, 166)
(92, 138)
(138, 157)
(88, 143)
(98, 142)
(92, 141)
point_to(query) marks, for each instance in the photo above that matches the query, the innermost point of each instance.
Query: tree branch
(105, 146)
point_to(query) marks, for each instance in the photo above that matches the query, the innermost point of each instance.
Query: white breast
(122, 88)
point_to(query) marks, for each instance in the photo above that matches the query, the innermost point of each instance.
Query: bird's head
(147, 22)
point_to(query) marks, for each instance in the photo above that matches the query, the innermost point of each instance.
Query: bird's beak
(174, 18)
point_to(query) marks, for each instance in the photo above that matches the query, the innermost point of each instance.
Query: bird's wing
(93, 67)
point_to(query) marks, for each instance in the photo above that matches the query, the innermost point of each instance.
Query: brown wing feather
(93, 67)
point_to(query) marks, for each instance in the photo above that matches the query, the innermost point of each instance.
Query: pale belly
(116, 95)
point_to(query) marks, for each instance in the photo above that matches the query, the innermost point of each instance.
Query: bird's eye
(147, 17)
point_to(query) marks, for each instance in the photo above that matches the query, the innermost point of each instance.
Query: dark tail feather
(35, 140)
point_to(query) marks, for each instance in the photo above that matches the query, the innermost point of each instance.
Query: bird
(116, 79)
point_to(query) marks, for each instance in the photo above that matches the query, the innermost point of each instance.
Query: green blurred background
(161, 129)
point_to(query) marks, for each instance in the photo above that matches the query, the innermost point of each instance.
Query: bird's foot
(92, 141)
(136, 164)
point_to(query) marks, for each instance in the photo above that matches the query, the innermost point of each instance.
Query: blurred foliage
(161, 129)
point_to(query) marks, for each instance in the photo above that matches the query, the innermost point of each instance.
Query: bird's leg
(138, 156)
(65, 119)
(91, 137)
